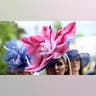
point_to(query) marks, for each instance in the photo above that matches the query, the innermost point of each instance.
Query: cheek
(63, 68)
(79, 66)
(76, 66)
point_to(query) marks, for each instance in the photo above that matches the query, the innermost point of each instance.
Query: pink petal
(38, 63)
(66, 33)
(35, 64)
(60, 50)
(47, 32)
(32, 43)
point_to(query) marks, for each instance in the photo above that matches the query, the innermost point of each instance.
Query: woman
(17, 58)
(59, 67)
(49, 47)
(78, 61)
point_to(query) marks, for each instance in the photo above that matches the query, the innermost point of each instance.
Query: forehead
(76, 59)
(61, 60)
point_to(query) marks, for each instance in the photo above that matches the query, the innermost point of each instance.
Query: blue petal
(16, 54)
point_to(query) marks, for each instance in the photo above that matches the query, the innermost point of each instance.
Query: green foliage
(8, 31)
(57, 25)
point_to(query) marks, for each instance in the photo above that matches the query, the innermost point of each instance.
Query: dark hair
(13, 71)
(10, 71)
(81, 69)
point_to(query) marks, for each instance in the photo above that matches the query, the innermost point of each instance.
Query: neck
(75, 73)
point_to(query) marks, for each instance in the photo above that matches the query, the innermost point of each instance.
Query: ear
(66, 68)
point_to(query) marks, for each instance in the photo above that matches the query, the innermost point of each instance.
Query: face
(75, 65)
(59, 68)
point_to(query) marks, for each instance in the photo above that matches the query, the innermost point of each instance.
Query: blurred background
(84, 40)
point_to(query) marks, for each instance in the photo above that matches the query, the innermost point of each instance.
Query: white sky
(84, 27)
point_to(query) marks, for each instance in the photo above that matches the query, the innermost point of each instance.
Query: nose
(56, 67)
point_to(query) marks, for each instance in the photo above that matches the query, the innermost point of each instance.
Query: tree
(8, 31)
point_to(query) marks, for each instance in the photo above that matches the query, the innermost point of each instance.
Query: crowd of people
(48, 51)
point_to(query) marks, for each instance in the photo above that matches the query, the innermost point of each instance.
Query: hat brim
(50, 64)
(84, 57)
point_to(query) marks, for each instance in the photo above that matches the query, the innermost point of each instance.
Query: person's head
(17, 71)
(48, 46)
(76, 66)
(58, 67)
(78, 60)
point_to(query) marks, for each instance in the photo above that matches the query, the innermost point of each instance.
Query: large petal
(38, 63)
(47, 32)
(60, 50)
(32, 43)
(65, 34)
(47, 47)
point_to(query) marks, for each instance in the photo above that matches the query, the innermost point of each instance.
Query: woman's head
(48, 45)
(59, 67)
(76, 66)
(78, 60)
(16, 71)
